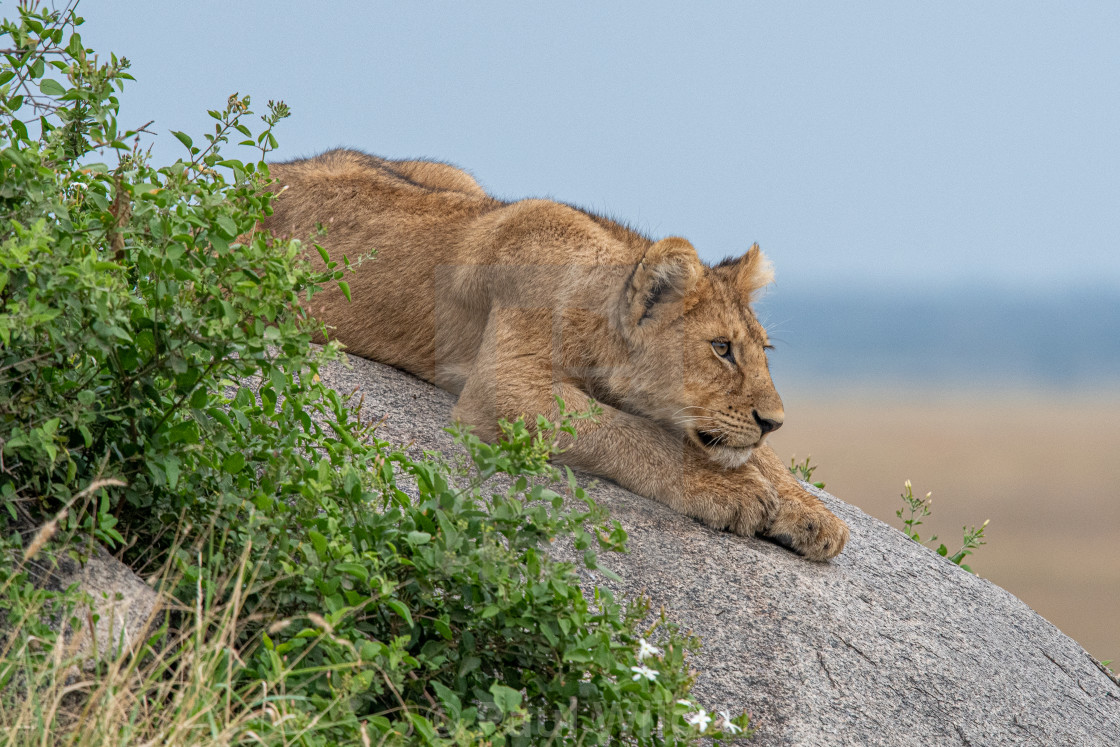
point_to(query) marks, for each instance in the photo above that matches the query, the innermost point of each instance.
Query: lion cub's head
(697, 351)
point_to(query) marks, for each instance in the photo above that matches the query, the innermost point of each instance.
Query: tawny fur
(509, 305)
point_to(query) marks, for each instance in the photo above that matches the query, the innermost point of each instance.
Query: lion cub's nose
(766, 424)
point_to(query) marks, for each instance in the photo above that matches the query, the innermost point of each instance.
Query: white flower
(646, 650)
(685, 703)
(725, 723)
(699, 720)
(644, 671)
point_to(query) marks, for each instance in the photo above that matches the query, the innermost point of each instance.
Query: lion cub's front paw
(745, 502)
(804, 525)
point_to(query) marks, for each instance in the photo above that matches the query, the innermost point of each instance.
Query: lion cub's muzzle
(717, 448)
(732, 449)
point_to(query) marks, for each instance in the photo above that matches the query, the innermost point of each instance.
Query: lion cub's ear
(666, 274)
(753, 272)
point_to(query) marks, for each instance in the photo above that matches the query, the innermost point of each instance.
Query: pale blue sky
(893, 144)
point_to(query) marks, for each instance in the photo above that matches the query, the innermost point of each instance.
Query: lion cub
(511, 304)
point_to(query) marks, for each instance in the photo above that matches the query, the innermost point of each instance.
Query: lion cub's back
(402, 174)
(411, 213)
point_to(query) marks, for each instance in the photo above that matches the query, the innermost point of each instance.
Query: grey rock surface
(123, 608)
(889, 644)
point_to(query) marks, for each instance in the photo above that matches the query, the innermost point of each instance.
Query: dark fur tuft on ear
(754, 272)
(666, 274)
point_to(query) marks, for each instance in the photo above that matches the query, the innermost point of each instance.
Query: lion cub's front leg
(762, 497)
(509, 379)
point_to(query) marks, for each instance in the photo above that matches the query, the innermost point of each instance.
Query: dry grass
(179, 690)
(1044, 468)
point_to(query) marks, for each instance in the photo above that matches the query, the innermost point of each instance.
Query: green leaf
(350, 479)
(418, 538)
(345, 288)
(448, 697)
(443, 629)
(234, 463)
(171, 467)
(74, 47)
(319, 542)
(227, 226)
(354, 569)
(468, 665)
(399, 607)
(577, 656)
(200, 398)
(220, 415)
(184, 138)
(335, 603)
(423, 726)
(507, 699)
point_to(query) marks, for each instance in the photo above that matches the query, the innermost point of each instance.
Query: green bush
(158, 394)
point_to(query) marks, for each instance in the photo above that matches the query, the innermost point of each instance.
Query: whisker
(696, 419)
(696, 407)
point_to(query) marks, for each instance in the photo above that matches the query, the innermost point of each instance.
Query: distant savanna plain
(1009, 413)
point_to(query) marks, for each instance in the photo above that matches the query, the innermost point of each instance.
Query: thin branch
(32, 359)
(184, 395)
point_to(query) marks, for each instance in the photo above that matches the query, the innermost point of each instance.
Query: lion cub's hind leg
(436, 175)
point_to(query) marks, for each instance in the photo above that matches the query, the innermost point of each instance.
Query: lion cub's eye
(723, 349)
